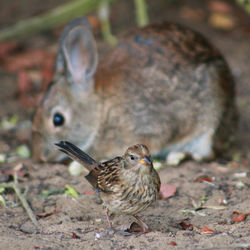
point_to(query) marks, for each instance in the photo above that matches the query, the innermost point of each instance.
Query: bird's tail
(77, 154)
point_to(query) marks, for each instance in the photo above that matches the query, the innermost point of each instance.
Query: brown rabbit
(164, 86)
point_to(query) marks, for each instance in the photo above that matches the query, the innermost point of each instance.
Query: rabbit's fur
(164, 86)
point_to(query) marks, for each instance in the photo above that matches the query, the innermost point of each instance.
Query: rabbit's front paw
(199, 148)
(175, 158)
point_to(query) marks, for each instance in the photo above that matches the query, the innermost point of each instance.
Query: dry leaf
(222, 21)
(134, 228)
(206, 230)
(18, 167)
(220, 6)
(27, 101)
(94, 22)
(19, 173)
(44, 215)
(236, 212)
(6, 48)
(47, 72)
(24, 85)
(238, 216)
(235, 164)
(75, 236)
(27, 60)
(167, 190)
(203, 178)
(186, 226)
(246, 163)
(23, 82)
(172, 243)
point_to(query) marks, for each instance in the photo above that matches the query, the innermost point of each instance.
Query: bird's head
(138, 156)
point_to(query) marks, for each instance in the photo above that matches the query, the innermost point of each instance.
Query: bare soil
(80, 223)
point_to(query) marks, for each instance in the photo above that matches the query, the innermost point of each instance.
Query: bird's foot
(144, 226)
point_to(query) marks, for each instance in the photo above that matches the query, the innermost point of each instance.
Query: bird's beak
(145, 161)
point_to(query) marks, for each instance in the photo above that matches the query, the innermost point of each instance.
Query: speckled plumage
(127, 184)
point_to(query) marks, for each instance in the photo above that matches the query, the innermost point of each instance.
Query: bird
(126, 184)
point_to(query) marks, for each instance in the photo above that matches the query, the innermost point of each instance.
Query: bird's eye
(132, 157)
(58, 119)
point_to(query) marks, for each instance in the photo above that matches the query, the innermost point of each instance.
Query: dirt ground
(177, 222)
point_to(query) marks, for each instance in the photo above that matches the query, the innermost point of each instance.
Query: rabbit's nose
(44, 151)
(43, 154)
(40, 151)
(39, 154)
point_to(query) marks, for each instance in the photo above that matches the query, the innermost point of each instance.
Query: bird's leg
(144, 226)
(108, 218)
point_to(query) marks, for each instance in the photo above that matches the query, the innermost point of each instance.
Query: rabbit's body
(164, 86)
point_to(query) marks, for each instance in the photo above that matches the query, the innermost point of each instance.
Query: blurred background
(27, 57)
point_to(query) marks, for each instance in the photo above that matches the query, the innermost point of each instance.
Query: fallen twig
(14, 186)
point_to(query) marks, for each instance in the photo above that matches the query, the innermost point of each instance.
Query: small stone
(75, 168)
(174, 158)
(98, 220)
(97, 236)
(2, 158)
(240, 175)
(27, 229)
(240, 185)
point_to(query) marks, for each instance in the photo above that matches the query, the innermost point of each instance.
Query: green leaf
(71, 191)
(23, 151)
(2, 200)
(236, 156)
(2, 189)
(11, 123)
(2, 158)
(46, 193)
(204, 198)
(188, 211)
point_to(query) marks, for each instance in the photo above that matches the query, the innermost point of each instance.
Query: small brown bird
(127, 184)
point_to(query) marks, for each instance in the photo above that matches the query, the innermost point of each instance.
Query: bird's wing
(106, 175)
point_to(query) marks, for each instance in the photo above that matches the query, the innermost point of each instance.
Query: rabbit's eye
(132, 157)
(58, 119)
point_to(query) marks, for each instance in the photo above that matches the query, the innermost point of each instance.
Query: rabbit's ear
(80, 54)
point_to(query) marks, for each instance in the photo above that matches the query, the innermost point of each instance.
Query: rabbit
(163, 85)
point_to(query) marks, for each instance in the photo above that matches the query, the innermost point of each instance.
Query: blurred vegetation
(66, 12)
